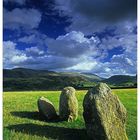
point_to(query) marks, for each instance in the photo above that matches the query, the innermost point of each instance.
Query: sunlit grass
(21, 120)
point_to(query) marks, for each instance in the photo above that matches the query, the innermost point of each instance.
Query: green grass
(22, 122)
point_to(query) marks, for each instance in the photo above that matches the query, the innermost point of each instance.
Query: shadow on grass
(33, 115)
(59, 133)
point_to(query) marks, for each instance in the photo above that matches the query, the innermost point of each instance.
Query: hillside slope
(88, 76)
(28, 79)
(121, 80)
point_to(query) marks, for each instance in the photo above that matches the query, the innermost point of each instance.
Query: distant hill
(92, 77)
(25, 73)
(88, 76)
(121, 80)
(29, 79)
(28, 73)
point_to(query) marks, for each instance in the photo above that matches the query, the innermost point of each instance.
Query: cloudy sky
(96, 36)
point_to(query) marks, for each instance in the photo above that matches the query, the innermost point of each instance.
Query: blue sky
(96, 36)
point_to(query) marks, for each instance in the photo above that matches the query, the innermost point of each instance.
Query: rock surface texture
(46, 109)
(104, 114)
(68, 104)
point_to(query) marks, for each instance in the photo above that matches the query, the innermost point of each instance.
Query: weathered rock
(104, 114)
(46, 109)
(68, 105)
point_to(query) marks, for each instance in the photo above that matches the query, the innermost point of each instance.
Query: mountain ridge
(30, 79)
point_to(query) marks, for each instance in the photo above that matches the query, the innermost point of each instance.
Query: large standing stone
(104, 114)
(46, 109)
(68, 105)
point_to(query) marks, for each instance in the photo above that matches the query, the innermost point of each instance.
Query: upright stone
(104, 114)
(68, 105)
(46, 109)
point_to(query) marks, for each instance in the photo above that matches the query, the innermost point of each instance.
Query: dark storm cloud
(103, 9)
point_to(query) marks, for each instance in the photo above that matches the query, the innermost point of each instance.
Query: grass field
(22, 122)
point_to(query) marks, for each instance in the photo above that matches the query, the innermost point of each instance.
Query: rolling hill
(88, 76)
(121, 80)
(25, 73)
(29, 79)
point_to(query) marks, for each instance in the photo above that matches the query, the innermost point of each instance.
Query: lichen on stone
(46, 109)
(68, 104)
(104, 114)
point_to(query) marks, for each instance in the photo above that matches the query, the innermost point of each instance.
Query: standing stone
(104, 114)
(46, 109)
(68, 105)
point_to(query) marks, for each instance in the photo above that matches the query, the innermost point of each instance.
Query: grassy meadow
(22, 121)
